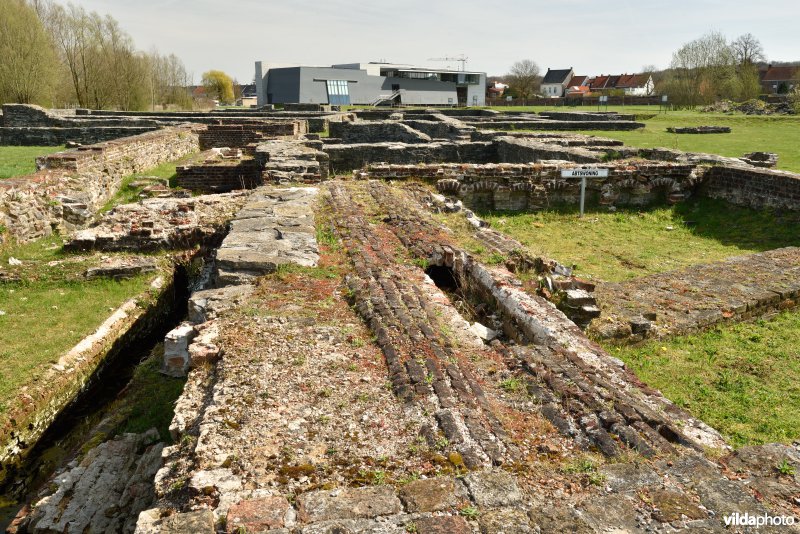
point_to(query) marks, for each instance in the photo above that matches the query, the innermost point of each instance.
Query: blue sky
(592, 36)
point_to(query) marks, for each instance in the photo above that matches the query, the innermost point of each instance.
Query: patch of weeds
(588, 469)
(326, 236)
(422, 263)
(411, 528)
(441, 443)
(495, 258)
(470, 512)
(512, 385)
(785, 468)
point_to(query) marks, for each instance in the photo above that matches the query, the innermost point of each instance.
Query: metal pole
(583, 192)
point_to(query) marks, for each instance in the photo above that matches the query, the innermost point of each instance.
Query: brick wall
(516, 187)
(753, 187)
(220, 176)
(241, 135)
(73, 184)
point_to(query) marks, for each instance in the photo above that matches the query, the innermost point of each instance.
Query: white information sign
(583, 173)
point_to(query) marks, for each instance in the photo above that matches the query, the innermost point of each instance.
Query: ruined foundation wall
(241, 135)
(516, 187)
(50, 136)
(753, 187)
(376, 131)
(73, 184)
(346, 158)
(220, 177)
(525, 150)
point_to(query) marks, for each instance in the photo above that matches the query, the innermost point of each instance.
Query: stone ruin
(452, 417)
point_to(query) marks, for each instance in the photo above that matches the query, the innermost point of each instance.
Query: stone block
(215, 480)
(257, 515)
(448, 524)
(347, 503)
(176, 350)
(493, 489)
(432, 494)
(505, 521)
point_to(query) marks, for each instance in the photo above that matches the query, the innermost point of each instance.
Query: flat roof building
(368, 84)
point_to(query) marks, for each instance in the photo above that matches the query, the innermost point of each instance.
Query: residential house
(636, 84)
(555, 82)
(779, 80)
(577, 87)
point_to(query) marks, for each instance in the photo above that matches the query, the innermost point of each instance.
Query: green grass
(149, 399)
(49, 310)
(127, 193)
(21, 160)
(630, 243)
(743, 380)
(749, 133)
(777, 134)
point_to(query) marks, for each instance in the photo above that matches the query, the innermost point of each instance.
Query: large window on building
(338, 92)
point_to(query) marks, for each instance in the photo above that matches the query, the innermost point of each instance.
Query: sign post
(583, 173)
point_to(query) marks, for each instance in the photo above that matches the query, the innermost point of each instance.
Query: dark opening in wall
(443, 277)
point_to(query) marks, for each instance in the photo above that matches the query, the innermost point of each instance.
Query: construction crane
(462, 59)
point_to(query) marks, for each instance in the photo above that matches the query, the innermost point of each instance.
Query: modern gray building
(368, 84)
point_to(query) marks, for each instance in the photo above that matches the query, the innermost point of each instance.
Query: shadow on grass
(741, 227)
(708, 218)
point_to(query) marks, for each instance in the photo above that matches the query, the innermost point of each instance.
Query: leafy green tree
(218, 85)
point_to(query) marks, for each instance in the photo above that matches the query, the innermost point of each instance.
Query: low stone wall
(376, 131)
(35, 410)
(666, 304)
(73, 184)
(441, 129)
(54, 136)
(241, 135)
(292, 161)
(557, 125)
(516, 187)
(583, 116)
(526, 150)
(346, 158)
(753, 187)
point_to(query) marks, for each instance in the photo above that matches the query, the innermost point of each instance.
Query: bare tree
(524, 78)
(747, 50)
(703, 71)
(28, 64)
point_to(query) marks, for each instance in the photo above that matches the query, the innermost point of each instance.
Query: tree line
(58, 56)
(702, 71)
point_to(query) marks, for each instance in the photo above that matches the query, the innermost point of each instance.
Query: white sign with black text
(583, 173)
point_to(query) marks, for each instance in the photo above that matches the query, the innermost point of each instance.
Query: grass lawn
(128, 193)
(749, 133)
(743, 380)
(50, 309)
(629, 243)
(777, 134)
(20, 160)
